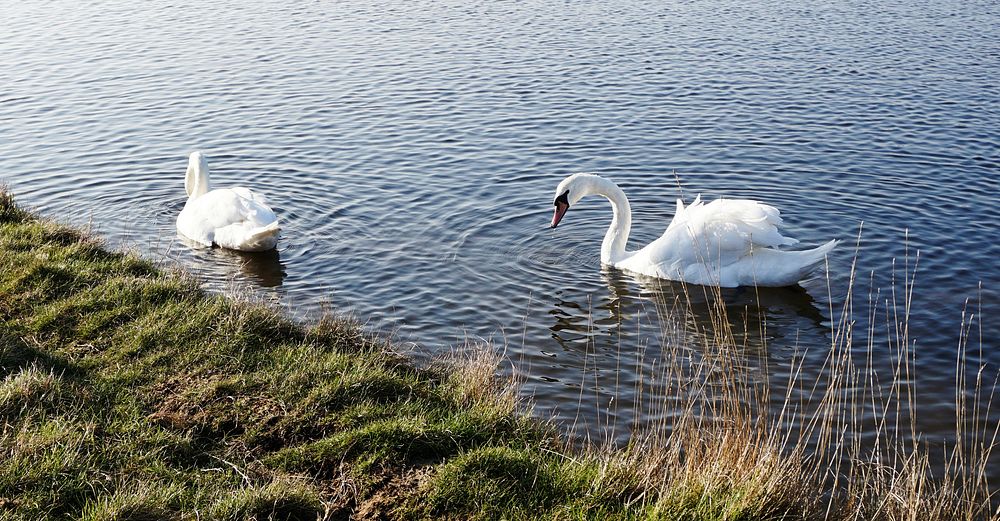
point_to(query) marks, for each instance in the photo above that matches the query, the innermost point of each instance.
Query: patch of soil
(387, 494)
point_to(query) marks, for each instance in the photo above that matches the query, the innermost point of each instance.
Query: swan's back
(730, 225)
(727, 242)
(233, 218)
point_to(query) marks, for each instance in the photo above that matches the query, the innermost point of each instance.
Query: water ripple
(412, 151)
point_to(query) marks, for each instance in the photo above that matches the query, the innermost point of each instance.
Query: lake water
(412, 150)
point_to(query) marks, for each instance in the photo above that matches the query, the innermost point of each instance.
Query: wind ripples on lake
(411, 152)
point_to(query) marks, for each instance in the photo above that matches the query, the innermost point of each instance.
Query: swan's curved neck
(196, 179)
(613, 247)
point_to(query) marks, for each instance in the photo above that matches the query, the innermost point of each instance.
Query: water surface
(412, 150)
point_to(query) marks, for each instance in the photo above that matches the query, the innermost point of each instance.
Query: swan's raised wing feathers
(727, 242)
(730, 225)
(718, 233)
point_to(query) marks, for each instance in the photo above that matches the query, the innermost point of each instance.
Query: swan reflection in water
(786, 311)
(629, 344)
(218, 266)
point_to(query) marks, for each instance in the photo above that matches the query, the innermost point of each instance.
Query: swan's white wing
(732, 225)
(229, 206)
(251, 196)
(229, 217)
(717, 234)
(726, 243)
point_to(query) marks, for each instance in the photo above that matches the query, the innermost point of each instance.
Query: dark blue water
(412, 150)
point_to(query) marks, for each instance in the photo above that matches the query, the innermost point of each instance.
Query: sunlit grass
(128, 393)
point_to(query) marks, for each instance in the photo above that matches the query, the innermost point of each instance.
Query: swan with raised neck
(727, 242)
(196, 181)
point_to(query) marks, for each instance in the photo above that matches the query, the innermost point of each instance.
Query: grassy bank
(128, 393)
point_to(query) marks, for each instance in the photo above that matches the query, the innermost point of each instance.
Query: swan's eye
(564, 199)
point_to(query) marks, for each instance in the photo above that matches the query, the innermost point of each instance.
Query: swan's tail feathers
(265, 237)
(270, 228)
(816, 256)
(243, 238)
(826, 248)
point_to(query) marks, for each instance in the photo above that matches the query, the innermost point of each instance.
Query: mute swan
(727, 242)
(233, 218)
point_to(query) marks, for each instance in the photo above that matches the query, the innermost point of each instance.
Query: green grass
(127, 393)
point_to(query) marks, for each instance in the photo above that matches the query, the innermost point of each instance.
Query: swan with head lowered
(233, 218)
(727, 242)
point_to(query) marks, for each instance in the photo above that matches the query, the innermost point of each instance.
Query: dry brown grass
(845, 447)
(475, 374)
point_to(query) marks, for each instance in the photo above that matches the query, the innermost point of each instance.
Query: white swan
(233, 218)
(727, 242)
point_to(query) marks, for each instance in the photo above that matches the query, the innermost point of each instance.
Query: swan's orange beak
(560, 211)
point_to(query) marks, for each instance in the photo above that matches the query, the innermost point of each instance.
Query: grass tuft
(148, 502)
(10, 212)
(491, 482)
(285, 499)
